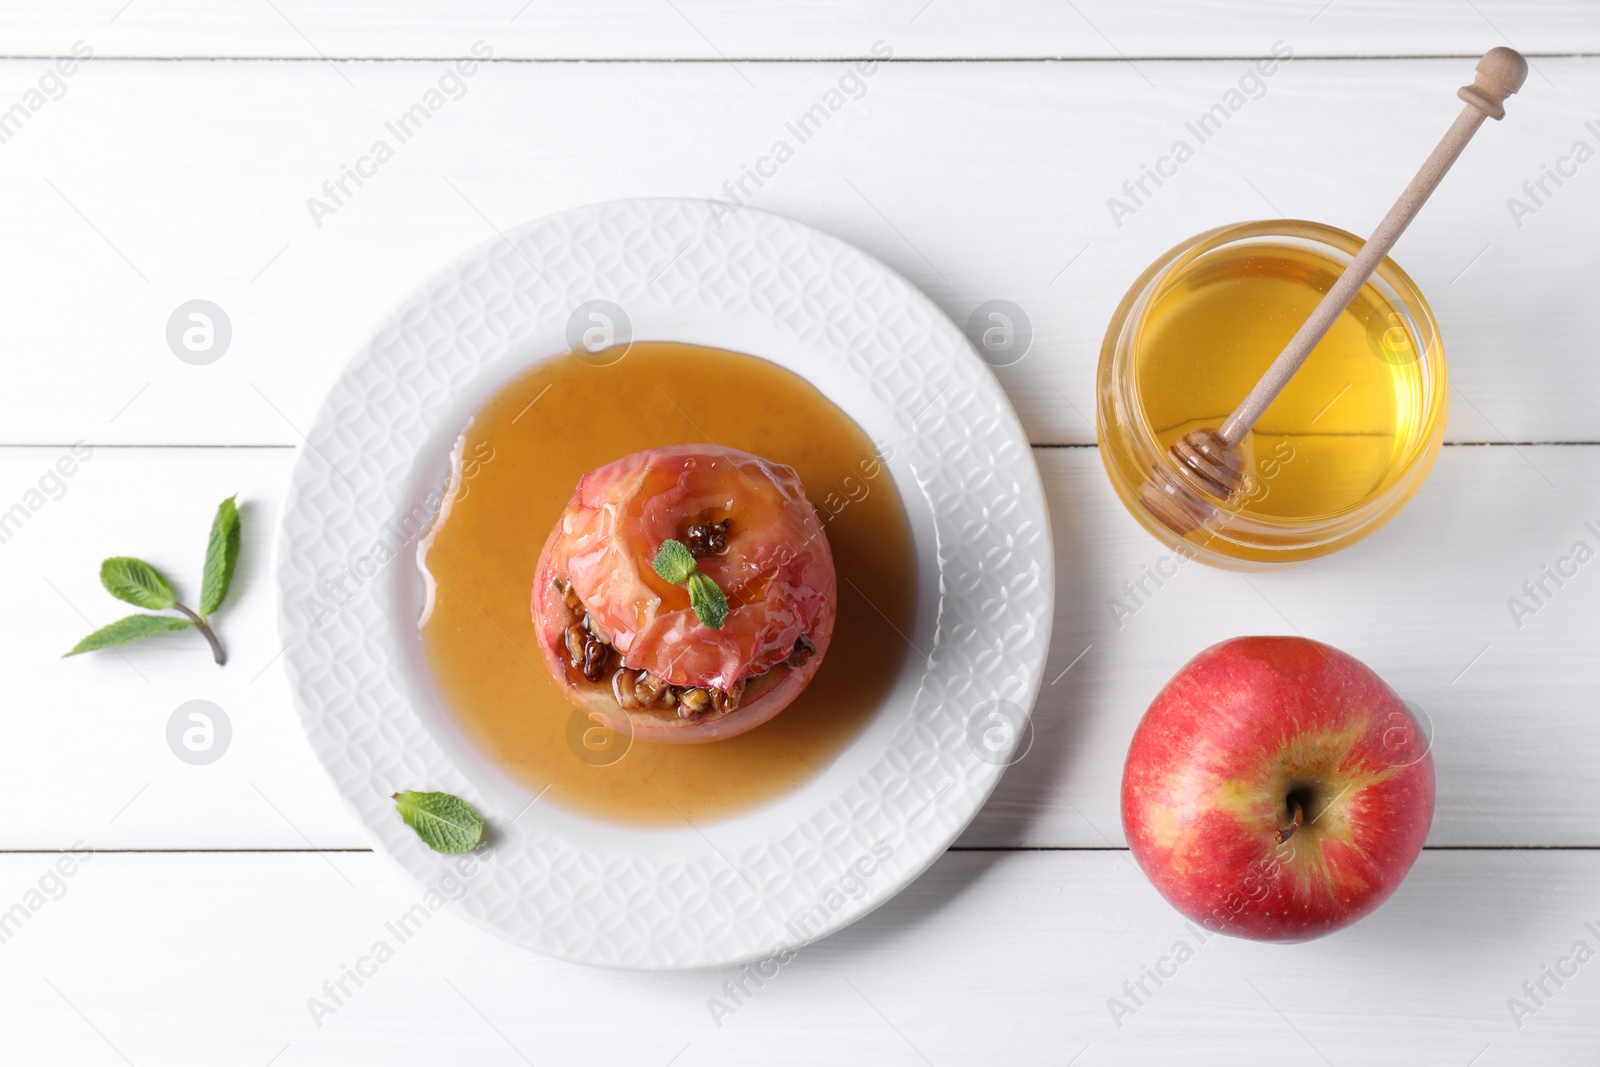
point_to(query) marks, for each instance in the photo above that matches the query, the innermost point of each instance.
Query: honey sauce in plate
(518, 462)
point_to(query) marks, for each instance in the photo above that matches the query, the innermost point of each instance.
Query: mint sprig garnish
(138, 583)
(676, 564)
(705, 596)
(445, 823)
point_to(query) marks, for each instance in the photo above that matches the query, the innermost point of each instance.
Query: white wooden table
(177, 165)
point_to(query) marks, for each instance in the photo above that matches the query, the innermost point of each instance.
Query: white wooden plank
(1424, 602)
(151, 184)
(988, 958)
(787, 29)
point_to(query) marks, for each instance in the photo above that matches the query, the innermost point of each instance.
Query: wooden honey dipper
(1206, 462)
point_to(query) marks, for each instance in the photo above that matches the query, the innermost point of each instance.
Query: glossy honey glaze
(521, 457)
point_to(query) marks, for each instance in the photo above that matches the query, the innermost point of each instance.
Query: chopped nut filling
(636, 690)
(726, 700)
(588, 651)
(587, 648)
(571, 597)
(692, 703)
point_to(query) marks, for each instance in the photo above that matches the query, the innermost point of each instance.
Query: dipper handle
(1500, 73)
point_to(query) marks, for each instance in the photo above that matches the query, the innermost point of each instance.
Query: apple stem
(1288, 831)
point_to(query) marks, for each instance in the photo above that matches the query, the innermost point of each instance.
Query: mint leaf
(705, 596)
(445, 823)
(136, 581)
(674, 562)
(129, 629)
(222, 552)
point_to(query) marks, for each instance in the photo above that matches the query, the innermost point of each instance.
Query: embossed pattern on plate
(779, 877)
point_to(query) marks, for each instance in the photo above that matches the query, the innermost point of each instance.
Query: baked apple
(651, 656)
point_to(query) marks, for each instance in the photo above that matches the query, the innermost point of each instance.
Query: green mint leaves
(445, 823)
(705, 596)
(129, 629)
(136, 582)
(222, 552)
(675, 563)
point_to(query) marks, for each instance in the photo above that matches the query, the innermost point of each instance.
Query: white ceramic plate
(800, 867)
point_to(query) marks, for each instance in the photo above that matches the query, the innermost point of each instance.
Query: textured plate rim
(1010, 629)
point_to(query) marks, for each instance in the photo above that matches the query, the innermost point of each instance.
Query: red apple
(1277, 789)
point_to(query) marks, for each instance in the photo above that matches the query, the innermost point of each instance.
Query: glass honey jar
(1340, 451)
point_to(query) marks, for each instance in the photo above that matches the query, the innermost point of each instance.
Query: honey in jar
(1342, 448)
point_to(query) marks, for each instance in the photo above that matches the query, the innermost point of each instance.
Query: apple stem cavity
(1299, 817)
